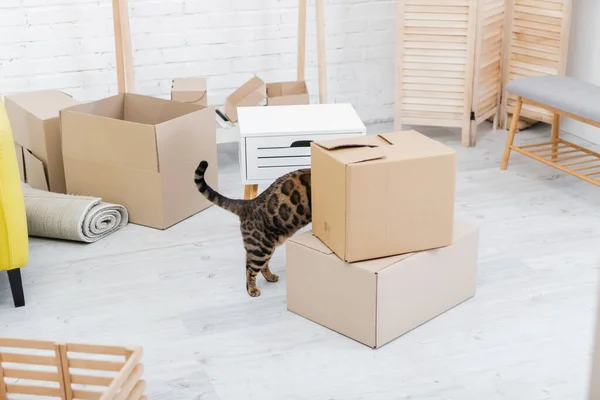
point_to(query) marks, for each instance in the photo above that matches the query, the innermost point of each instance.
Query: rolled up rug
(69, 217)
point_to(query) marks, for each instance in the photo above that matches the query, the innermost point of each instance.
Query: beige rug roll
(69, 217)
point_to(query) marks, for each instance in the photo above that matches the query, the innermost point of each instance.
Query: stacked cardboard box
(385, 254)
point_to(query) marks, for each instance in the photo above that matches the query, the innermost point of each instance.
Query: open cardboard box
(287, 93)
(141, 152)
(251, 93)
(36, 130)
(376, 301)
(380, 195)
(190, 90)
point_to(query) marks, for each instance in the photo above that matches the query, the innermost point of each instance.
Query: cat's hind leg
(269, 276)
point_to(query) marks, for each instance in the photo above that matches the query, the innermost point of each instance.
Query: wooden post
(123, 49)
(322, 61)
(301, 39)
(63, 371)
(3, 392)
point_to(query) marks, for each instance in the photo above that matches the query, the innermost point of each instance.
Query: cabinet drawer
(271, 157)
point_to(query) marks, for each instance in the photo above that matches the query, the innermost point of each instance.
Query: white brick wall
(68, 45)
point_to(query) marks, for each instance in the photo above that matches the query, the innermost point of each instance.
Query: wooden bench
(563, 96)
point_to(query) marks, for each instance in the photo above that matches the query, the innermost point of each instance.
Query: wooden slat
(81, 379)
(86, 394)
(96, 349)
(97, 365)
(26, 344)
(33, 390)
(28, 359)
(31, 375)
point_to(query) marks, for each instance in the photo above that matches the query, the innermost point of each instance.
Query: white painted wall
(584, 57)
(68, 45)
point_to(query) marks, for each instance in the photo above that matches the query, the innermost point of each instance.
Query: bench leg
(250, 192)
(514, 124)
(555, 135)
(16, 287)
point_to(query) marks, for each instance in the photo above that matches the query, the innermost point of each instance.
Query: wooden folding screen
(487, 80)
(536, 43)
(448, 68)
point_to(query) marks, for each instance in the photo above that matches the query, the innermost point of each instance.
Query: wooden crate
(31, 368)
(448, 66)
(536, 43)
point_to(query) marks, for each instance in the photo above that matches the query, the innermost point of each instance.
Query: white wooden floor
(180, 293)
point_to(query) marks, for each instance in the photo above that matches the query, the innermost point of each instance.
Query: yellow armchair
(14, 244)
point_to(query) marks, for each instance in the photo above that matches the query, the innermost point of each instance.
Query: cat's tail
(234, 206)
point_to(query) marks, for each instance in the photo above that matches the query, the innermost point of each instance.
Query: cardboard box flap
(189, 84)
(253, 85)
(418, 144)
(189, 90)
(379, 264)
(35, 174)
(309, 240)
(353, 153)
(43, 104)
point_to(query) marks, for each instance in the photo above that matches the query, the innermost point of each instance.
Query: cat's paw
(254, 292)
(272, 278)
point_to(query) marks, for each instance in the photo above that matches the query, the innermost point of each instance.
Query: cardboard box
(287, 93)
(140, 152)
(251, 93)
(381, 195)
(190, 90)
(376, 301)
(34, 121)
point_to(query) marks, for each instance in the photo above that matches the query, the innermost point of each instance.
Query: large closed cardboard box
(190, 90)
(140, 152)
(376, 301)
(34, 121)
(381, 195)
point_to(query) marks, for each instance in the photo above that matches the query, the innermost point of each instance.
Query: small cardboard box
(287, 93)
(376, 301)
(140, 152)
(190, 90)
(34, 121)
(380, 195)
(251, 93)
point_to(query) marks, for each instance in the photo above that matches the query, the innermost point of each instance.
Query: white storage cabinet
(276, 140)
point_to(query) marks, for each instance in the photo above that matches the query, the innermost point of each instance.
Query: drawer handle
(301, 143)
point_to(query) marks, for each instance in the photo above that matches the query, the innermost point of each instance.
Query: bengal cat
(266, 221)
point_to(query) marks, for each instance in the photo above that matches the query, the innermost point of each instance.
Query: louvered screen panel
(488, 59)
(536, 44)
(434, 69)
